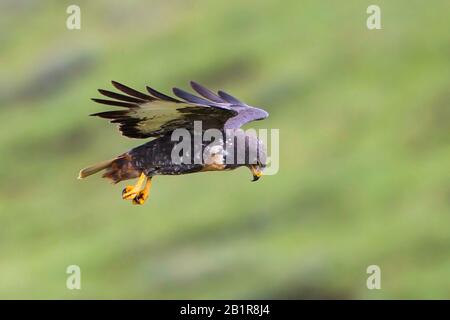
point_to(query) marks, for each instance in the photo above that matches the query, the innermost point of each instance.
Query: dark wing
(156, 114)
(245, 114)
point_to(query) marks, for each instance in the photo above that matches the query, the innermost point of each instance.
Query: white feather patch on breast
(214, 154)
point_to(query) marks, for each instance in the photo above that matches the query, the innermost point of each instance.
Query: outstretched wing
(156, 114)
(245, 113)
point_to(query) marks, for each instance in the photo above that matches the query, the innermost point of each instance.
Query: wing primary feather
(141, 120)
(110, 114)
(126, 120)
(120, 97)
(204, 92)
(229, 98)
(131, 91)
(191, 98)
(115, 103)
(160, 95)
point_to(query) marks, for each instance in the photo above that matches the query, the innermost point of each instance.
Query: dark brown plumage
(157, 115)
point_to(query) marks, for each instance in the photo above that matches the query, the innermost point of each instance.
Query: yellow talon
(138, 200)
(135, 193)
(130, 192)
(142, 195)
(126, 192)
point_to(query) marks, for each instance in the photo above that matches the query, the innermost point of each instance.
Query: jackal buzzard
(156, 115)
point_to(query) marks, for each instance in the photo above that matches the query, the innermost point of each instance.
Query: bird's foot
(140, 197)
(135, 193)
(129, 193)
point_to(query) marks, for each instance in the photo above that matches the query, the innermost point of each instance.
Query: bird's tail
(117, 169)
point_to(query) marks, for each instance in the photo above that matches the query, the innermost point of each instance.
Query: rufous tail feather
(118, 169)
(86, 172)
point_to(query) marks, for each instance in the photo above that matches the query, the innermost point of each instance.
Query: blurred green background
(364, 138)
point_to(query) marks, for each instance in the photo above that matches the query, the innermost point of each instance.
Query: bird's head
(256, 157)
(251, 154)
(248, 151)
(257, 170)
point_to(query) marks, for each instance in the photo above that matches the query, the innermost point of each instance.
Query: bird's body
(154, 158)
(160, 116)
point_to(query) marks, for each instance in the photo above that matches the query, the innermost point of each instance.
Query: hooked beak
(256, 172)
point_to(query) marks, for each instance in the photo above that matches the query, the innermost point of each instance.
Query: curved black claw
(139, 199)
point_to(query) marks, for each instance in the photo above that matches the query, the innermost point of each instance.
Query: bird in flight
(158, 116)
